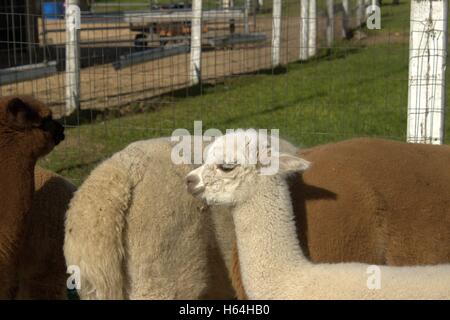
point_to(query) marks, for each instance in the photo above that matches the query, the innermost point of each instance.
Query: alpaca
(27, 132)
(355, 205)
(272, 263)
(132, 240)
(42, 267)
(135, 233)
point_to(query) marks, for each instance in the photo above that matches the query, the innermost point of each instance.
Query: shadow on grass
(198, 90)
(83, 165)
(84, 116)
(330, 54)
(273, 109)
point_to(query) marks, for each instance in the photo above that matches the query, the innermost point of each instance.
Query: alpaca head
(28, 124)
(233, 165)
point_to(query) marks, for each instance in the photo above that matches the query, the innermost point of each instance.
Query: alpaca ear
(291, 164)
(21, 114)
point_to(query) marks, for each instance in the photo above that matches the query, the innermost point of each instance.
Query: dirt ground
(103, 87)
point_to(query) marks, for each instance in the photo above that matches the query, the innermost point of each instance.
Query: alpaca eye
(42, 123)
(227, 167)
(37, 124)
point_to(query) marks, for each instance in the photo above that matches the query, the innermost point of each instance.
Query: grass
(351, 92)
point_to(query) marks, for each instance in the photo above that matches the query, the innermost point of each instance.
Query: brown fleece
(42, 268)
(22, 141)
(372, 201)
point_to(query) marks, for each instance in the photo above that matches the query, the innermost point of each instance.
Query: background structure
(313, 69)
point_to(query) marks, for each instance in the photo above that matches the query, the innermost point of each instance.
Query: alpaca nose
(55, 129)
(192, 182)
(58, 133)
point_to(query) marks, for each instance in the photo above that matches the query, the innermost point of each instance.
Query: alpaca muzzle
(55, 129)
(194, 186)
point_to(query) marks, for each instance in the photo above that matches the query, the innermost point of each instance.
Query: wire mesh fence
(428, 51)
(135, 73)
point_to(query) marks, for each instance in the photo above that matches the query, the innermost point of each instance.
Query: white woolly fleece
(136, 233)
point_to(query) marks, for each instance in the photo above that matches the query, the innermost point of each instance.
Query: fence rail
(118, 4)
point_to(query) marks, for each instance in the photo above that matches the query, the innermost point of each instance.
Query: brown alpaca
(372, 201)
(27, 132)
(42, 267)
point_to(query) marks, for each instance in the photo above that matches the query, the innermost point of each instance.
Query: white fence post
(246, 13)
(225, 4)
(330, 23)
(276, 32)
(304, 32)
(312, 46)
(345, 18)
(196, 42)
(366, 4)
(73, 26)
(360, 13)
(427, 63)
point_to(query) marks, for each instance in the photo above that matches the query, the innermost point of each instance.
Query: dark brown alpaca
(27, 132)
(372, 201)
(42, 268)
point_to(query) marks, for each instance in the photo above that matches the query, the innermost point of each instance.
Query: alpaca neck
(267, 237)
(16, 187)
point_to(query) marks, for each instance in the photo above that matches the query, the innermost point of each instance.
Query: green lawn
(355, 91)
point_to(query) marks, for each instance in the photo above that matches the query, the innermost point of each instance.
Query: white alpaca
(135, 233)
(272, 263)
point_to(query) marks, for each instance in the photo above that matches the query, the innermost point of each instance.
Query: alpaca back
(169, 240)
(95, 223)
(136, 233)
(375, 201)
